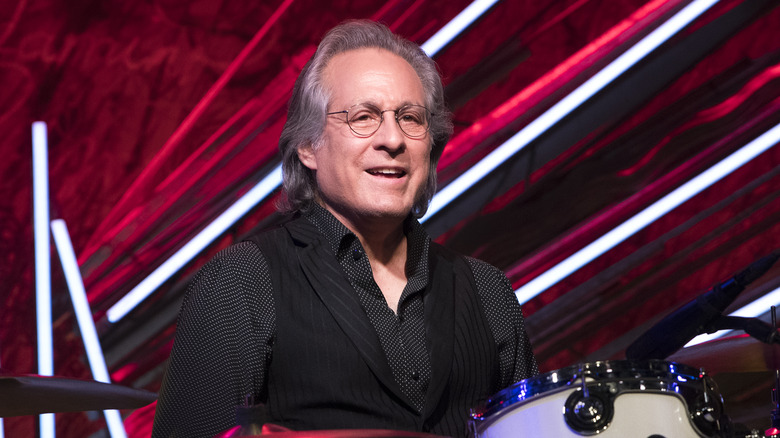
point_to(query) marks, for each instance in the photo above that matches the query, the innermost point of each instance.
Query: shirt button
(415, 375)
(356, 254)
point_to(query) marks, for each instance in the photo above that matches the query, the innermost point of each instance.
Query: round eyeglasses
(365, 119)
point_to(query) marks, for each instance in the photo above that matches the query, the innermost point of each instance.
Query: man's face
(381, 175)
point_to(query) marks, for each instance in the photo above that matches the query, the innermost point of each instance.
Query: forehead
(372, 75)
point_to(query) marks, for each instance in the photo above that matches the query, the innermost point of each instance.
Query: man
(348, 316)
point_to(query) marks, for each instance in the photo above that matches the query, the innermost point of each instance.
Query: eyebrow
(374, 104)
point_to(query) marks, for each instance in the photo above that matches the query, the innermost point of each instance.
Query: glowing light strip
(751, 310)
(196, 245)
(649, 214)
(566, 105)
(47, 429)
(42, 262)
(78, 296)
(42, 254)
(262, 189)
(116, 428)
(452, 29)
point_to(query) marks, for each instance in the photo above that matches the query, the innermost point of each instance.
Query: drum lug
(588, 412)
(707, 411)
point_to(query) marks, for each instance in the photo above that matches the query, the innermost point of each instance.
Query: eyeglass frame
(382, 119)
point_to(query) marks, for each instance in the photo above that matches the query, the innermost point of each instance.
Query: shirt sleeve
(222, 345)
(505, 317)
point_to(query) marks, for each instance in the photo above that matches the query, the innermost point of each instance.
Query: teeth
(384, 172)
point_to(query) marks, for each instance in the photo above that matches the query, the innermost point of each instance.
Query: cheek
(424, 159)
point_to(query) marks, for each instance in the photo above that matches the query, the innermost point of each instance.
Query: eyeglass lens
(365, 119)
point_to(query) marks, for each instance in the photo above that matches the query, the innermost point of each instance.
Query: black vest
(328, 370)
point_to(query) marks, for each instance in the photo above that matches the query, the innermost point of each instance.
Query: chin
(396, 211)
(390, 213)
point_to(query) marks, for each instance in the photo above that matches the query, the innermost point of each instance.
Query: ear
(307, 156)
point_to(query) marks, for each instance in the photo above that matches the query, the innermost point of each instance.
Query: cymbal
(735, 354)
(33, 395)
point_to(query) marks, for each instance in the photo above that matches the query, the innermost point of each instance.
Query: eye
(412, 116)
(363, 114)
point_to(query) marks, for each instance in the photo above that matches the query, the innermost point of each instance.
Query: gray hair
(309, 102)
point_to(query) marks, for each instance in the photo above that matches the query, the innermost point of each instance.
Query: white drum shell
(624, 398)
(637, 414)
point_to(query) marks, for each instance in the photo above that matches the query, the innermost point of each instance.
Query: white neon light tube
(195, 246)
(78, 296)
(116, 428)
(47, 429)
(648, 215)
(42, 248)
(751, 310)
(42, 262)
(566, 105)
(456, 26)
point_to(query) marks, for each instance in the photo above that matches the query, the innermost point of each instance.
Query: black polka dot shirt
(226, 328)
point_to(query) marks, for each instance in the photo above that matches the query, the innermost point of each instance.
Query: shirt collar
(334, 231)
(338, 236)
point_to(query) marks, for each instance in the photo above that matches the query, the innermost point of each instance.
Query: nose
(389, 135)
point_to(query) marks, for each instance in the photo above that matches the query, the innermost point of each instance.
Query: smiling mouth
(387, 173)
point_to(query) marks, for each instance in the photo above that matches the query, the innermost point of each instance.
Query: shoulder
(485, 272)
(231, 293)
(240, 261)
(230, 278)
(493, 286)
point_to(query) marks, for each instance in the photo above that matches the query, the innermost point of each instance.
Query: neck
(383, 238)
(385, 244)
